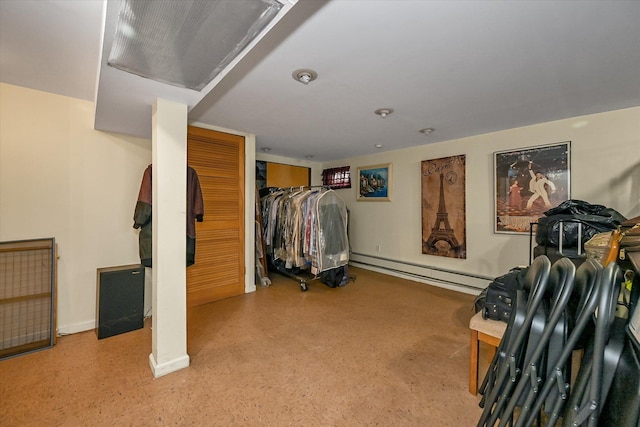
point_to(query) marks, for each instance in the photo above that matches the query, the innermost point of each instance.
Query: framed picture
(374, 183)
(528, 182)
(444, 207)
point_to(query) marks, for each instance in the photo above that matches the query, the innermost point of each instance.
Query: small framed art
(374, 183)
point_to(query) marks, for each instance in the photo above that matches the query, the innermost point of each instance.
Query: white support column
(249, 212)
(169, 181)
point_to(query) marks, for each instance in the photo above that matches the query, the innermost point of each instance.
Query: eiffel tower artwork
(441, 231)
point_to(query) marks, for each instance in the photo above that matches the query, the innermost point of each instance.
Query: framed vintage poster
(374, 183)
(528, 182)
(444, 207)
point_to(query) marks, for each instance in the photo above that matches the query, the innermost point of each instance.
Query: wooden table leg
(473, 363)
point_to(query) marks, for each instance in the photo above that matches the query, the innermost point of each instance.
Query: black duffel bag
(580, 207)
(549, 228)
(497, 300)
(571, 215)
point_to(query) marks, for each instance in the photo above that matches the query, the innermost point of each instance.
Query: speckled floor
(380, 351)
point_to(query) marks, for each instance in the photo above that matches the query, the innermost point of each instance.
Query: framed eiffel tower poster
(444, 207)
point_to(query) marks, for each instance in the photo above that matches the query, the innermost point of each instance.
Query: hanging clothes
(305, 229)
(331, 223)
(142, 218)
(142, 215)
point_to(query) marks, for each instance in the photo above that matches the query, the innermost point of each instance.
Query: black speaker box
(120, 300)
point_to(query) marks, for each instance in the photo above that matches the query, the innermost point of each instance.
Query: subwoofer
(120, 300)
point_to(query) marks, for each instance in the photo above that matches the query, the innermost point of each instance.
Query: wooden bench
(488, 331)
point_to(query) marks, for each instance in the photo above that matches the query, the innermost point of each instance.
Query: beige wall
(605, 169)
(61, 178)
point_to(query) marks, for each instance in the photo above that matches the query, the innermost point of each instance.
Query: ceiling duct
(186, 43)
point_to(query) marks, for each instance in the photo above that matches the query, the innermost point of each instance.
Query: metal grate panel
(27, 291)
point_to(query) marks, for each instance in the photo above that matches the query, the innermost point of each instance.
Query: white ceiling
(462, 67)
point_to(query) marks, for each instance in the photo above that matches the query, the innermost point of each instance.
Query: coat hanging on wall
(142, 215)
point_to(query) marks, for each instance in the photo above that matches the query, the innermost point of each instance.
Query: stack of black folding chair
(561, 309)
(507, 364)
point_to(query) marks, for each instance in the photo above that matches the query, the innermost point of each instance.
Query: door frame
(249, 201)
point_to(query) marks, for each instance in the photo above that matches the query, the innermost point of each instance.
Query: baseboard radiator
(27, 296)
(450, 279)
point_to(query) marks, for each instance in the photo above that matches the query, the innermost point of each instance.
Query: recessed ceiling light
(378, 145)
(304, 75)
(266, 149)
(384, 112)
(308, 157)
(426, 131)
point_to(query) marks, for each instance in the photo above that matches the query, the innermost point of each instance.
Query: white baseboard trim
(408, 276)
(165, 368)
(76, 327)
(435, 276)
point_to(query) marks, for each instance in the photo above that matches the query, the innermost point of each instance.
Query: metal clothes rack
(302, 281)
(279, 267)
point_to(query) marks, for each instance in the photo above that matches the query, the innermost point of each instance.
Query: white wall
(605, 169)
(61, 178)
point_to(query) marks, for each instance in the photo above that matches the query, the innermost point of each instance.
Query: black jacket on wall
(142, 215)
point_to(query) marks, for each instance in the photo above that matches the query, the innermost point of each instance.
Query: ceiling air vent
(186, 43)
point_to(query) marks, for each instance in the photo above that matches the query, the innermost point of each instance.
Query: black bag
(478, 303)
(549, 229)
(580, 207)
(335, 277)
(568, 217)
(500, 295)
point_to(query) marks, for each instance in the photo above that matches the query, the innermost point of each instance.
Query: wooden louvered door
(218, 272)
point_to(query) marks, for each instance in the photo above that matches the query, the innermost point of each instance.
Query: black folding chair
(601, 356)
(507, 364)
(622, 406)
(560, 284)
(586, 291)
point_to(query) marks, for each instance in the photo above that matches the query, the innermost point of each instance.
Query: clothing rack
(302, 281)
(297, 187)
(304, 230)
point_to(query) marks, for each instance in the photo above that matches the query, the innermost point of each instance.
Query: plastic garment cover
(332, 242)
